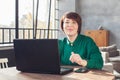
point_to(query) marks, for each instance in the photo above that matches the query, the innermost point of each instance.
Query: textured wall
(104, 13)
(95, 13)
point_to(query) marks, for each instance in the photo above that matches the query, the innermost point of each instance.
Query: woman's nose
(70, 24)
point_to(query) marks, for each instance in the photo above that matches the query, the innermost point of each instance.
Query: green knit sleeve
(94, 58)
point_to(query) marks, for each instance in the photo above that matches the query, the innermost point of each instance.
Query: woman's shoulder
(88, 40)
(85, 37)
(62, 40)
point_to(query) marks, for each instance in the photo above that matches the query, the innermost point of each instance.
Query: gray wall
(95, 13)
(65, 6)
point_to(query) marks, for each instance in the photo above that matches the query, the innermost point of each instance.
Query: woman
(75, 48)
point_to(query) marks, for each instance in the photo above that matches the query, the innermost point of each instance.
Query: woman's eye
(74, 22)
(66, 22)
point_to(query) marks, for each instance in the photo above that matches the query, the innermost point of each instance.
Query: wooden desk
(13, 74)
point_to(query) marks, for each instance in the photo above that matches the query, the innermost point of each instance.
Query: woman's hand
(75, 58)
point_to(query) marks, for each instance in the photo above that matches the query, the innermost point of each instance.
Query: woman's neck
(72, 38)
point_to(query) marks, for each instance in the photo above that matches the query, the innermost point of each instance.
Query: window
(30, 24)
(34, 18)
(7, 21)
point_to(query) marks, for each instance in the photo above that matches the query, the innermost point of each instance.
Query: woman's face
(70, 27)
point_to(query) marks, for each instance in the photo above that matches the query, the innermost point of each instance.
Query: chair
(113, 57)
(3, 63)
(107, 65)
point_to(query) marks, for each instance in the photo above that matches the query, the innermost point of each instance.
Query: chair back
(3, 63)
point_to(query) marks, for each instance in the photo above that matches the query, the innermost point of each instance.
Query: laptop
(38, 56)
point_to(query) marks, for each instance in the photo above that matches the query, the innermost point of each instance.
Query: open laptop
(38, 56)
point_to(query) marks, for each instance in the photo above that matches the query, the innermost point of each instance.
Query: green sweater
(85, 47)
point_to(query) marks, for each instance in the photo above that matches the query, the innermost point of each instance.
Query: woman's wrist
(82, 62)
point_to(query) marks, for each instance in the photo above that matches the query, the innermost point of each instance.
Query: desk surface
(13, 74)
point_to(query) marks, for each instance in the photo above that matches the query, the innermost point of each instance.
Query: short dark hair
(72, 15)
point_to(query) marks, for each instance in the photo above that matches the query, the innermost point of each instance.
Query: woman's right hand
(76, 58)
